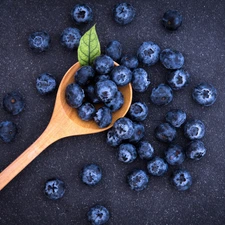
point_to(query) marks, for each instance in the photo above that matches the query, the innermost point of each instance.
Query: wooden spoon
(64, 123)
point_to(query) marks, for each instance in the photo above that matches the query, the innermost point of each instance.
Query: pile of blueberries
(99, 83)
(95, 85)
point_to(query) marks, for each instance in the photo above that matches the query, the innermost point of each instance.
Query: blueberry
(116, 103)
(8, 131)
(45, 83)
(165, 132)
(175, 154)
(137, 180)
(172, 20)
(145, 150)
(127, 153)
(148, 53)
(123, 13)
(103, 64)
(178, 79)
(86, 111)
(84, 75)
(195, 150)
(54, 189)
(74, 95)
(139, 132)
(39, 41)
(138, 111)
(114, 50)
(13, 102)
(90, 93)
(194, 129)
(106, 90)
(121, 75)
(124, 128)
(181, 179)
(112, 138)
(140, 80)
(176, 117)
(70, 38)
(82, 14)
(103, 117)
(102, 77)
(91, 174)
(157, 166)
(204, 94)
(171, 59)
(130, 61)
(98, 215)
(161, 95)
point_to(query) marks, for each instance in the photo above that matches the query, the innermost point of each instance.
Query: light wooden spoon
(64, 123)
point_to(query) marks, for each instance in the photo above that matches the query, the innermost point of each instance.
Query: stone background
(201, 39)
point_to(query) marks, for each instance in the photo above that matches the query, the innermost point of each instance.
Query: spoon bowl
(64, 122)
(88, 126)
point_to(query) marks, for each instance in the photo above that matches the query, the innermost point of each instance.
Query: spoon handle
(46, 138)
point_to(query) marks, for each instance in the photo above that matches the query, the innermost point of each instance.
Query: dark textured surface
(200, 38)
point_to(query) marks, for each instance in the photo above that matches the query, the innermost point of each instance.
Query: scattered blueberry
(112, 138)
(161, 95)
(165, 132)
(90, 93)
(86, 111)
(175, 154)
(74, 95)
(140, 80)
(39, 41)
(138, 111)
(181, 179)
(204, 94)
(70, 38)
(139, 132)
(106, 90)
(45, 83)
(103, 117)
(124, 128)
(84, 75)
(195, 150)
(137, 180)
(172, 20)
(130, 61)
(176, 117)
(194, 129)
(148, 53)
(54, 189)
(13, 102)
(91, 174)
(171, 59)
(82, 14)
(114, 50)
(123, 13)
(157, 166)
(145, 150)
(103, 64)
(127, 153)
(98, 215)
(178, 79)
(121, 75)
(8, 131)
(116, 103)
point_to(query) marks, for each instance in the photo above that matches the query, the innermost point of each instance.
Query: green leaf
(89, 47)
